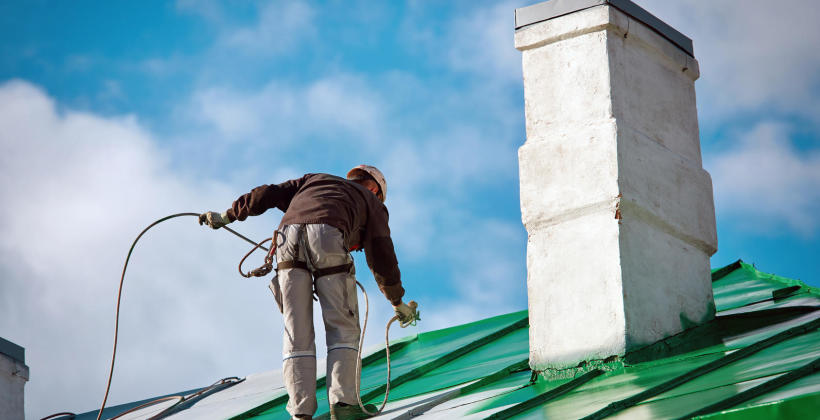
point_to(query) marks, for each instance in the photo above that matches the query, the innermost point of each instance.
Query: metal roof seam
(623, 404)
(505, 392)
(753, 378)
(192, 399)
(282, 399)
(761, 389)
(723, 271)
(442, 360)
(546, 396)
(320, 382)
(741, 285)
(786, 292)
(771, 299)
(493, 377)
(438, 362)
(423, 408)
(381, 354)
(787, 408)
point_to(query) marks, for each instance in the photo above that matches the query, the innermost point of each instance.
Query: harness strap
(292, 264)
(332, 270)
(317, 273)
(303, 265)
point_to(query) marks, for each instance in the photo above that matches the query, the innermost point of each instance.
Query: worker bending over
(325, 218)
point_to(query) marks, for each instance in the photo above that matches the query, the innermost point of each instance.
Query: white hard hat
(373, 172)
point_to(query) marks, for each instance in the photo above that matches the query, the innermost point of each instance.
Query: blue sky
(115, 114)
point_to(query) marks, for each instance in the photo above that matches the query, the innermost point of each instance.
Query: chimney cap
(12, 350)
(547, 10)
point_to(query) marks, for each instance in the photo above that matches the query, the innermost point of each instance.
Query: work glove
(213, 219)
(407, 315)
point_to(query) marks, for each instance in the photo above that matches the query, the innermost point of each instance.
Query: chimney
(13, 377)
(618, 209)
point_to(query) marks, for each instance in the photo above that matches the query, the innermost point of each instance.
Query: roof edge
(722, 272)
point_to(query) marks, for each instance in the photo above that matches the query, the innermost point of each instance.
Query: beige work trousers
(320, 246)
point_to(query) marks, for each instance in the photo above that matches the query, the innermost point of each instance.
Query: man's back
(322, 198)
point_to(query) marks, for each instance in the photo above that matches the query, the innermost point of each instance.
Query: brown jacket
(343, 204)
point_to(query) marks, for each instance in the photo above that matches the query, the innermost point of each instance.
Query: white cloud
(76, 188)
(209, 9)
(482, 42)
(487, 271)
(280, 27)
(330, 106)
(477, 41)
(754, 55)
(236, 115)
(344, 102)
(767, 181)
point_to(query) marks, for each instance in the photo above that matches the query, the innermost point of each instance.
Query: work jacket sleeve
(381, 256)
(265, 197)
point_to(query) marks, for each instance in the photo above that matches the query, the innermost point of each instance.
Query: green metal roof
(759, 358)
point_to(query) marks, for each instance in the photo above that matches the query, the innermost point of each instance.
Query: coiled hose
(413, 305)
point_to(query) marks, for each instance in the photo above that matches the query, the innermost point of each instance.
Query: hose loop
(264, 269)
(359, 356)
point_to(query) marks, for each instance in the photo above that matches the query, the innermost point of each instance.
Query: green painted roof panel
(758, 359)
(752, 307)
(746, 285)
(792, 408)
(426, 349)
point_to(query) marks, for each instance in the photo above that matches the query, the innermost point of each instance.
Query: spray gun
(416, 315)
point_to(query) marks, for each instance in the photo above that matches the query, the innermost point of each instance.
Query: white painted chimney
(618, 209)
(13, 377)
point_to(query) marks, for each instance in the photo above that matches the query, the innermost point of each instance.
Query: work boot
(342, 411)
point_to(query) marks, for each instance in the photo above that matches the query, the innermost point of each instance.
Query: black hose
(119, 293)
(55, 415)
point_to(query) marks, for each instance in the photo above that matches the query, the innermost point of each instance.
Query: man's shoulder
(320, 179)
(323, 176)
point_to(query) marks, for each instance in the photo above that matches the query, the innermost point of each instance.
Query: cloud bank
(765, 180)
(76, 188)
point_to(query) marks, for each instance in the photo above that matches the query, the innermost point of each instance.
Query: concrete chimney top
(13, 377)
(556, 8)
(618, 209)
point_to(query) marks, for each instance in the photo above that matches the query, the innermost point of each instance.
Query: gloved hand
(213, 219)
(405, 313)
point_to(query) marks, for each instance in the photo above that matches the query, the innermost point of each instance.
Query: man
(325, 218)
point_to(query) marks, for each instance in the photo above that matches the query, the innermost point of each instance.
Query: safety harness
(320, 272)
(267, 267)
